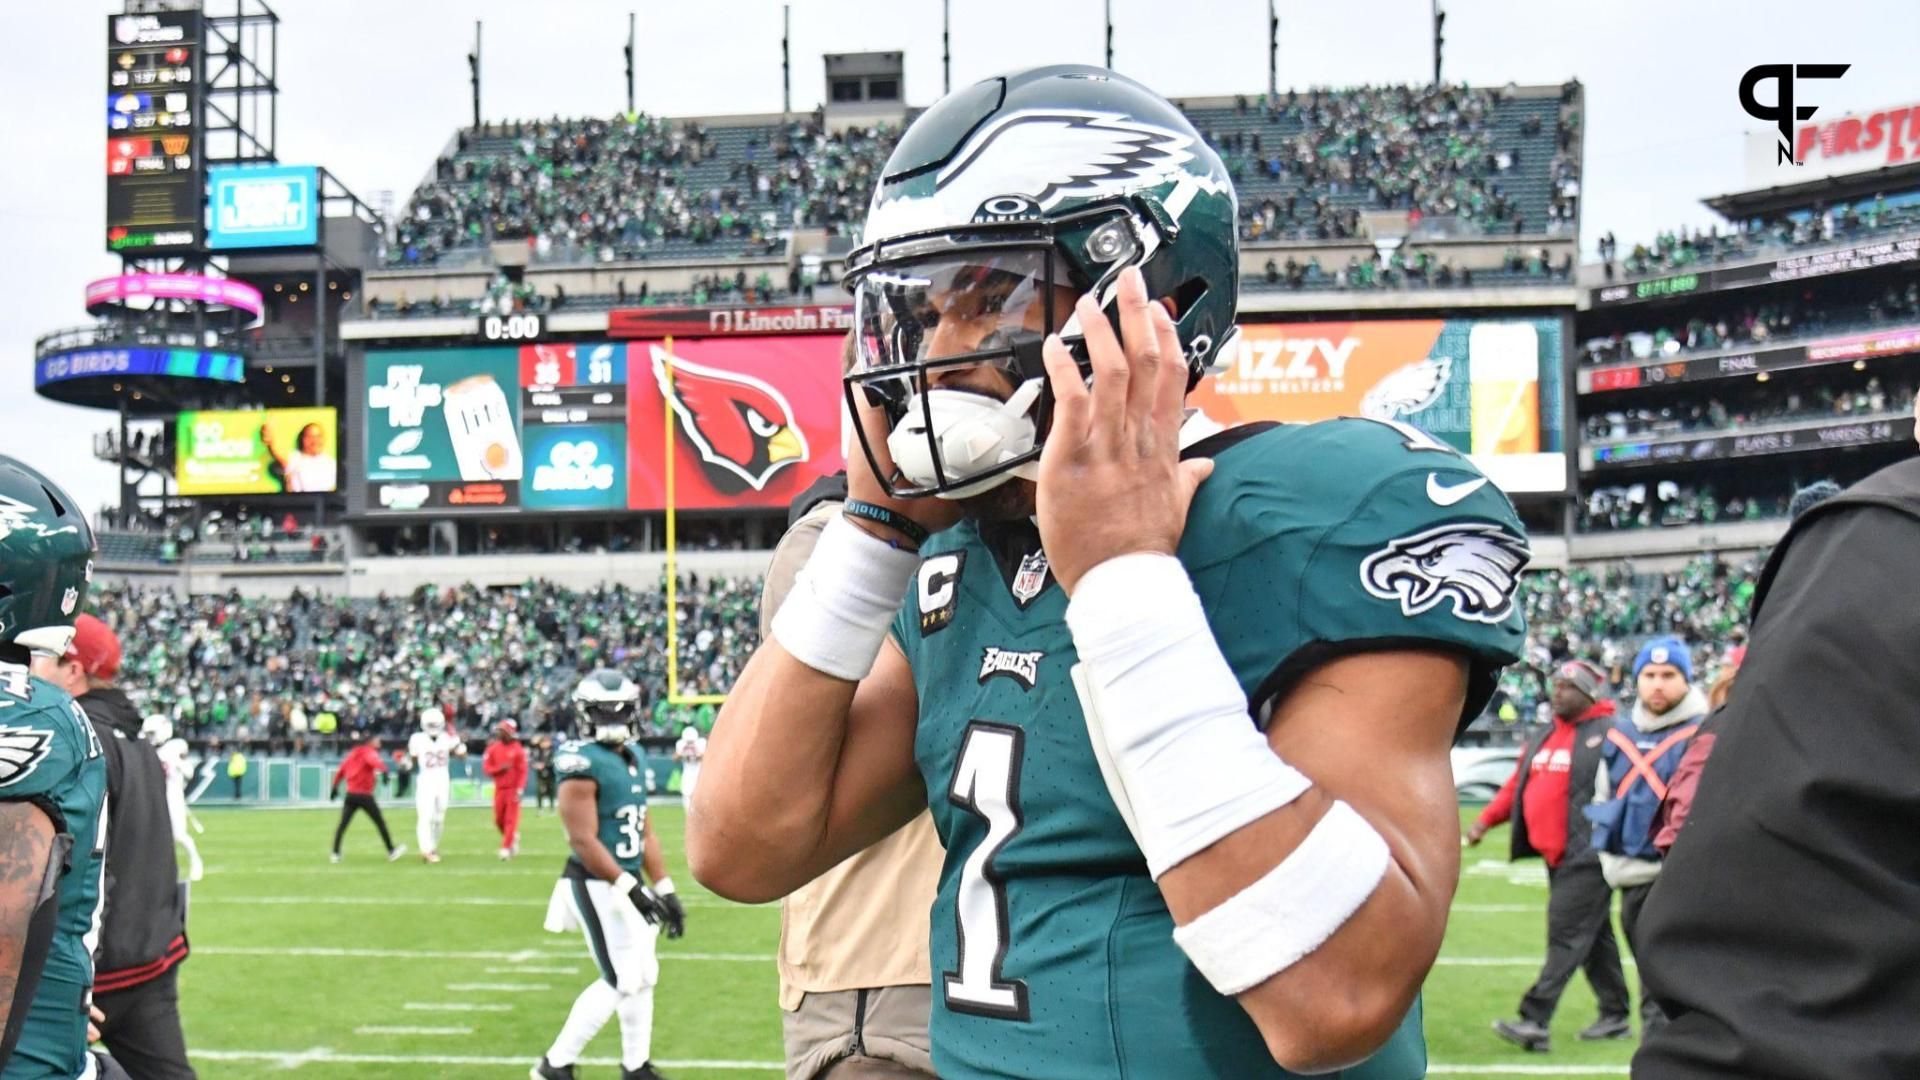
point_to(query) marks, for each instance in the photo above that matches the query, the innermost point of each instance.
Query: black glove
(333, 793)
(674, 921)
(665, 911)
(648, 904)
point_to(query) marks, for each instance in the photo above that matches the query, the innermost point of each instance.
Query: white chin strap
(974, 433)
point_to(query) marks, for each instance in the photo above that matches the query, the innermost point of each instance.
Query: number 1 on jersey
(986, 783)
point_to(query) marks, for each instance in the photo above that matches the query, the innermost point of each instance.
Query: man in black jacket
(143, 929)
(1780, 935)
(1551, 782)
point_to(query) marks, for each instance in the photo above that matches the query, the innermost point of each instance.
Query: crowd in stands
(1682, 249)
(1757, 325)
(1412, 269)
(1668, 503)
(1842, 394)
(599, 189)
(250, 668)
(595, 190)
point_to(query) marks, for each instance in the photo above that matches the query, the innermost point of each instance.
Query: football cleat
(394, 855)
(546, 1070)
(1525, 1034)
(645, 1072)
(1607, 1027)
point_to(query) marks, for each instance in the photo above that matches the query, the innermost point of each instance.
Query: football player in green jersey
(1180, 699)
(53, 787)
(603, 804)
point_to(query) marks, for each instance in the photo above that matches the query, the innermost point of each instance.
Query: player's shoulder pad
(43, 734)
(573, 758)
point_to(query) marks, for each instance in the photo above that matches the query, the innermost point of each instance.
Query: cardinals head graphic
(742, 428)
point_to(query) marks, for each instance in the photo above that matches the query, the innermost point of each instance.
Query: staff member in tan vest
(854, 974)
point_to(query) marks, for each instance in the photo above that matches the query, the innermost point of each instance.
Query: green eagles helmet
(1000, 206)
(607, 701)
(46, 560)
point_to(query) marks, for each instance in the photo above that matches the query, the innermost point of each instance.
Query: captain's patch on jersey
(1021, 667)
(1475, 566)
(937, 590)
(22, 750)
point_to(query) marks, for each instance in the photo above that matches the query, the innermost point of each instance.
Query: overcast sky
(372, 89)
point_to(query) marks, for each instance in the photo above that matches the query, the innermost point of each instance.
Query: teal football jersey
(49, 751)
(621, 775)
(1052, 948)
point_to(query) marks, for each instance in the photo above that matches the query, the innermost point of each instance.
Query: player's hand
(1111, 479)
(1475, 833)
(930, 514)
(333, 793)
(94, 1018)
(647, 903)
(673, 917)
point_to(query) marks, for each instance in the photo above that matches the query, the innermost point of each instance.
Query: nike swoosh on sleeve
(1448, 494)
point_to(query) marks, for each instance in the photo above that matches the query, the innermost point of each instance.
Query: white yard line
(526, 970)
(453, 1006)
(293, 1059)
(467, 988)
(379, 1029)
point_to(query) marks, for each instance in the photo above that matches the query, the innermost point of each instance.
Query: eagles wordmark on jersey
(1052, 947)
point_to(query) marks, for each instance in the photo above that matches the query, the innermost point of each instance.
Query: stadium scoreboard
(154, 177)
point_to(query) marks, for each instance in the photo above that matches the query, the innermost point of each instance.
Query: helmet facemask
(980, 296)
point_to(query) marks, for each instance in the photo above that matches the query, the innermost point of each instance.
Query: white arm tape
(1166, 715)
(836, 617)
(1275, 922)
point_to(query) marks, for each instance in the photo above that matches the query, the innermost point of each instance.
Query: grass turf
(299, 964)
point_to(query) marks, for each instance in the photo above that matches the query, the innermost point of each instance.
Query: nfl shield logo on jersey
(1031, 577)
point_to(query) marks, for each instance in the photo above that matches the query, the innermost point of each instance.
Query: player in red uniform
(506, 763)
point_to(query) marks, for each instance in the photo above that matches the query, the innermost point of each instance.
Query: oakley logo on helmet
(742, 427)
(1475, 566)
(1030, 160)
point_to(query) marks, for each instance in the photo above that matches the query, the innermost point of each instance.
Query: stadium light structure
(473, 68)
(1109, 34)
(629, 51)
(1439, 39)
(1273, 52)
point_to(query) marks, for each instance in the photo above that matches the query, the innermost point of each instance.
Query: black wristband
(880, 515)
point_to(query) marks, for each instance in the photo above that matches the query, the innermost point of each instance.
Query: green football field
(368, 969)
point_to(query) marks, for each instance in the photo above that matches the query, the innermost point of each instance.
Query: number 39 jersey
(621, 776)
(1053, 953)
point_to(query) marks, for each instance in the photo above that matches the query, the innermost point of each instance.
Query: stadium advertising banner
(1835, 146)
(756, 420)
(259, 452)
(274, 206)
(727, 322)
(1491, 388)
(581, 427)
(1794, 268)
(442, 430)
(154, 175)
(1682, 449)
(1632, 376)
(140, 360)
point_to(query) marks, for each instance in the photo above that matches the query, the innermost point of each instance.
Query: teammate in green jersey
(603, 803)
(1180, 699)
(53, 788)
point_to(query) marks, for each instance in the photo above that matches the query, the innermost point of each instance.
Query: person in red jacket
(360, 769)
(506, 763)
(1552, 780)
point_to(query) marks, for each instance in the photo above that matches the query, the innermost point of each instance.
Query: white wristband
(842, 602)
(663, 887)
(625, 883)
(1166, 715)
(1278, 920)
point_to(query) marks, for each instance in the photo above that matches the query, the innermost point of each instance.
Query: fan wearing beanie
(1637, 763)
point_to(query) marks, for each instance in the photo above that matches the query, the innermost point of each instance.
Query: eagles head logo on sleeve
(741, 426)
(21, 751)
(1474, 565)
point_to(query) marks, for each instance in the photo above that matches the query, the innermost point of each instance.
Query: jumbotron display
(582, 426)
(154, 174)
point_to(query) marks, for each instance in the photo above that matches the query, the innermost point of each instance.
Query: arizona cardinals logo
(21, 751)
(1476, 566)
(1407, 390)
(1036, 156)
(742, 427)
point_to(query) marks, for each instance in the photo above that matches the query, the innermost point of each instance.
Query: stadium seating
(1683, 248)
(593, 190)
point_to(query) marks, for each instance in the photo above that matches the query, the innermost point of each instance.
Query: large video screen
(1491, 388)
(258, 452)
(582, 427)
(154, 174)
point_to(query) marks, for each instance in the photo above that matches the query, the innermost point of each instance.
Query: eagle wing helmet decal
(1475, 566)
(1407, 390)
(1037, 157)
(741, 425)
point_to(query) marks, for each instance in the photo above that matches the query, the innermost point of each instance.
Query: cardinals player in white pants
(158, 730)
(432, 748)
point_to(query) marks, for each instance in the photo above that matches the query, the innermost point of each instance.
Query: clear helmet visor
(948, 347)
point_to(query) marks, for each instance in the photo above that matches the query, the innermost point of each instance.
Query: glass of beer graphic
(1504, 365)
(485, 445)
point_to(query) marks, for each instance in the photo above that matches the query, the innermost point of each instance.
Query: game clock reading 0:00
(527, 327)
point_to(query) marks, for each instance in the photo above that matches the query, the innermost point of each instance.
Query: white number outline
(633, 818)
(965, 990)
